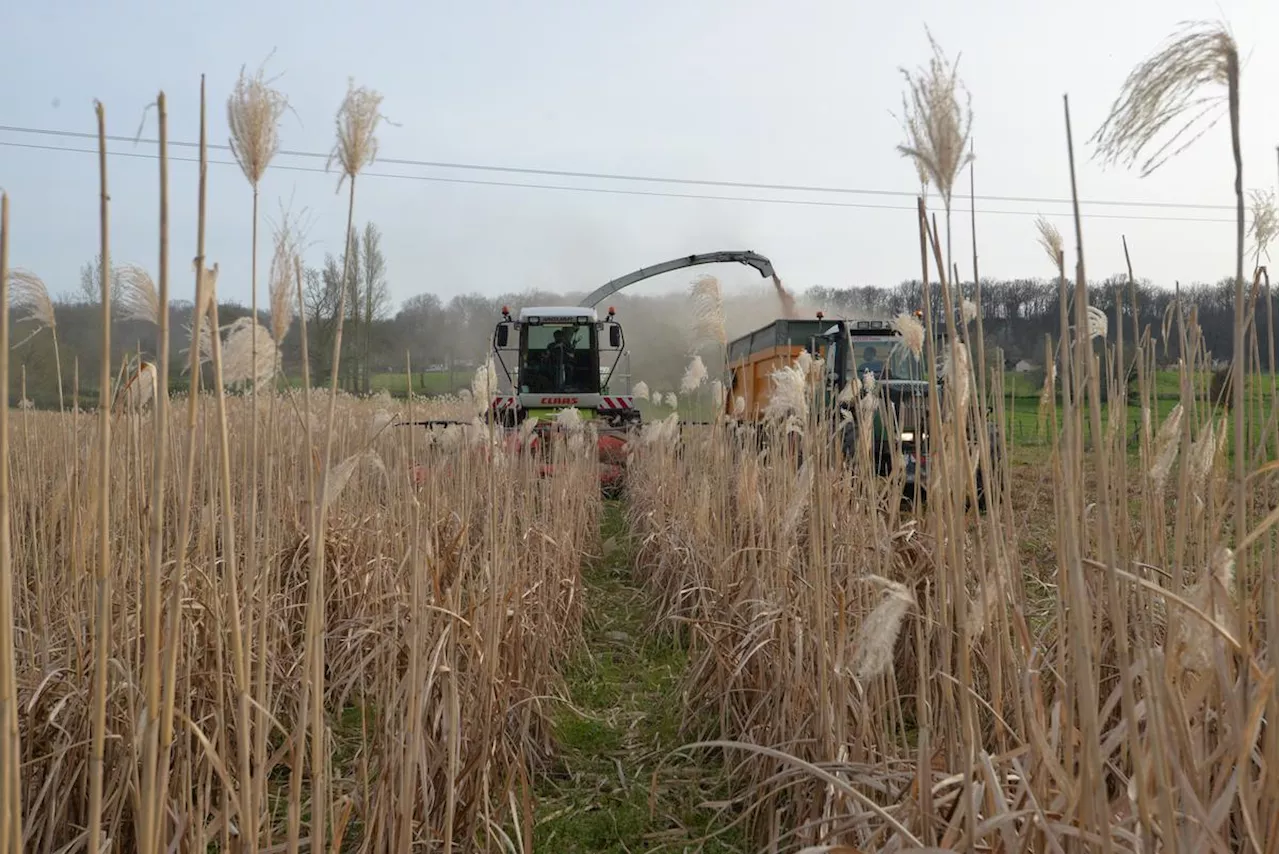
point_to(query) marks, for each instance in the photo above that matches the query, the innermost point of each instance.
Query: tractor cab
(857, 348)
(557, 357)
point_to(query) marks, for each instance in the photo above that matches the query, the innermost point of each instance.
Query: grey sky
(769, 92)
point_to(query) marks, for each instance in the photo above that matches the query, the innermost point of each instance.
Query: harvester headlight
(908, 436)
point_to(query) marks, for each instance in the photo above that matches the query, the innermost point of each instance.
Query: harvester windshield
(887, 358)
(559, 358)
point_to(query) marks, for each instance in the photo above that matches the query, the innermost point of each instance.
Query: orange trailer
(756, 355)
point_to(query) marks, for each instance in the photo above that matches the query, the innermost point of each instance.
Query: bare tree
(90, 289)
(377, 298)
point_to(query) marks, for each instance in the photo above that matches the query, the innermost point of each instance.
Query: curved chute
(751, 259)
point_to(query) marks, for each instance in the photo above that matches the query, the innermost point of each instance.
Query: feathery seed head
(790, 399)
(640, 391)
(1184, 85)
(1050, 240)
(238, 362)
(1166, 447)
(484, 385)
(1098, 322)
(878, 634)
(968, 311)
(1263, 226)
(1202, 454)
(717, 393)
(911, 330)
(694, 375)
(253, 114)
(936, 125)
(285, 260)
(570, 420)
(357, 123)
(27, 293)
(138, 298)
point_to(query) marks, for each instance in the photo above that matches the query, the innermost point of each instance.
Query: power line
(604, 190)
(609, 176)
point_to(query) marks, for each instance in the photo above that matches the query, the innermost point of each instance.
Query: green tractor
(851, 351)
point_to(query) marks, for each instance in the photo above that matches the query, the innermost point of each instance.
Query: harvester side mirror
(502, 336)
(615, 336)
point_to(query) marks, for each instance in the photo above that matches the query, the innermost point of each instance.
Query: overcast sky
(757, 91)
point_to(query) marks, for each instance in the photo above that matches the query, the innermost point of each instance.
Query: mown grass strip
(601, 795)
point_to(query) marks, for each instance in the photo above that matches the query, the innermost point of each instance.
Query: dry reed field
(252, 620)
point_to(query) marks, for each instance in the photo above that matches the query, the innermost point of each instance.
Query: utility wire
(562, 173)
(604, 190)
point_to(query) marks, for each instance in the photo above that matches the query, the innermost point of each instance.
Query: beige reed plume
(357, 125)
(1264, 225)
(1050, 240)
(936, 124)
(280, 278)
(138, 297)
(1171, 99)
(253, 115)
(28, 294)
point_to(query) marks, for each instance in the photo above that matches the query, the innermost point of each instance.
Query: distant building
(1025, 367)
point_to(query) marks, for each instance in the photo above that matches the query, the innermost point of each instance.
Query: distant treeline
(428, 333)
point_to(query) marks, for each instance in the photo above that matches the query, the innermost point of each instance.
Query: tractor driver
(870, 362)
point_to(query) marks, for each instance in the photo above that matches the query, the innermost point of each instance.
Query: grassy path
(626, 685)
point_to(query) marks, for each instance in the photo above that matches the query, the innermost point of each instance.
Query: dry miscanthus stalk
(1163, 106)
(1046, 394)
(139, 299)
(253, 115)
(957, 375)
(357, 124)
(206, 287)
(936, 124)
(1050, 240)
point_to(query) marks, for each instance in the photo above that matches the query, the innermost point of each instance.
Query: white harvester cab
(551, 358)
